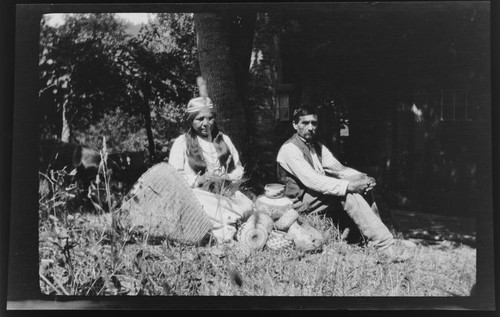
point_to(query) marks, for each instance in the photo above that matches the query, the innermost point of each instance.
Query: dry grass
(80, 256)
(91, 254)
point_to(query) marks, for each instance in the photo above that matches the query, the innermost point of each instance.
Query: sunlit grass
(90, 253)
(76, 258)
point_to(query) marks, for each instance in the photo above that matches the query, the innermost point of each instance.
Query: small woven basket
(274, 190)
(274, 207)
(263, 219)
(278, 240)
(305, 237)
(253, 236)
(285, 221)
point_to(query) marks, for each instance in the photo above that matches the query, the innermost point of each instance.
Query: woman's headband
(198, 103)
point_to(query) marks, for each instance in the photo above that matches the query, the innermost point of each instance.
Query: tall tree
(224, 48)
(265, 73)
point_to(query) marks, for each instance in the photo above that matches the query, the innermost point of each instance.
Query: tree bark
(242, 32)
(219, 51)
(265, 73)
(146, 110)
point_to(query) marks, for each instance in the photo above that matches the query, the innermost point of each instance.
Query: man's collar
(310, 145)
(303, 140)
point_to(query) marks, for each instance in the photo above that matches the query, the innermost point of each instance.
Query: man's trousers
(365, 217)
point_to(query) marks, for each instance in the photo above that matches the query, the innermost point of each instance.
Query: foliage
(168, 123)
(77, 66)
(123, 132)
(102, 73)
(163, 58)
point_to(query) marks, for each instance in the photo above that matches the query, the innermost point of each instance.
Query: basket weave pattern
(163, 205)
(277, 240)
(288, 218)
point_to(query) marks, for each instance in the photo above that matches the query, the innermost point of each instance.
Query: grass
(78, 256)
(81, 254)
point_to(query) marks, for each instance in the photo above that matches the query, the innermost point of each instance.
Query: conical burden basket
(161, 204)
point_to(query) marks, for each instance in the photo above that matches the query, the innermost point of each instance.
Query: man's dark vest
(293, 186)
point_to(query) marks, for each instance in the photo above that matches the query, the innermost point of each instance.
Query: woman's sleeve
(238, 171)
(177, 158)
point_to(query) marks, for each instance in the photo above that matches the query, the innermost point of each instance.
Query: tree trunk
(146, 110)
(65, 132)
(265, 73)
(242, 31)
(219, 51)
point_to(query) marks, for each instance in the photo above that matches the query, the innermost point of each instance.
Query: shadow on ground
(429, 229)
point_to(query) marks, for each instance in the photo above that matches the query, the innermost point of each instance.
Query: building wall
(387, 67)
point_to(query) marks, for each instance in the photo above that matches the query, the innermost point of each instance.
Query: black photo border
(19, 184)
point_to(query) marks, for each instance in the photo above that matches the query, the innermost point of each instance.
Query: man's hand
(360, 183)
(299, 206)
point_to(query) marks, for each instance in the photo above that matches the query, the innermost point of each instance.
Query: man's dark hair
(303, 111)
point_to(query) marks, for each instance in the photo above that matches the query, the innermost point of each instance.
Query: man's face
(204, 122)
(306, 127)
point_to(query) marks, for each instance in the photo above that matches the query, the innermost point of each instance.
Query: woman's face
(204, 122)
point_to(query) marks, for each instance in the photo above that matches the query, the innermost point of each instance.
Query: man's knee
(318, 203)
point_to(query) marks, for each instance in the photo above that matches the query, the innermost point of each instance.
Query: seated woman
(203, 154)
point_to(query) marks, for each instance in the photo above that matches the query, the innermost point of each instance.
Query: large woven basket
(161, 204)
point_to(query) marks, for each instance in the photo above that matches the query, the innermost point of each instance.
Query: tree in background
(160, 69)
(265, 74)
(77, 72)
(115, 84)
(224, 48)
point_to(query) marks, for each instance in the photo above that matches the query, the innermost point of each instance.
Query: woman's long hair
(195, 154)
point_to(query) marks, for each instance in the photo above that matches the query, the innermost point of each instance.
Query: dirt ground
(429, 229)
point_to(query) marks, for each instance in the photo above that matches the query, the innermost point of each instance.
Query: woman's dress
(223, 211)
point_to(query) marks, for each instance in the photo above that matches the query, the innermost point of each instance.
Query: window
(284, 92)
(283, 107)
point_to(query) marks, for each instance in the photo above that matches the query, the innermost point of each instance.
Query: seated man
(314, 177)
